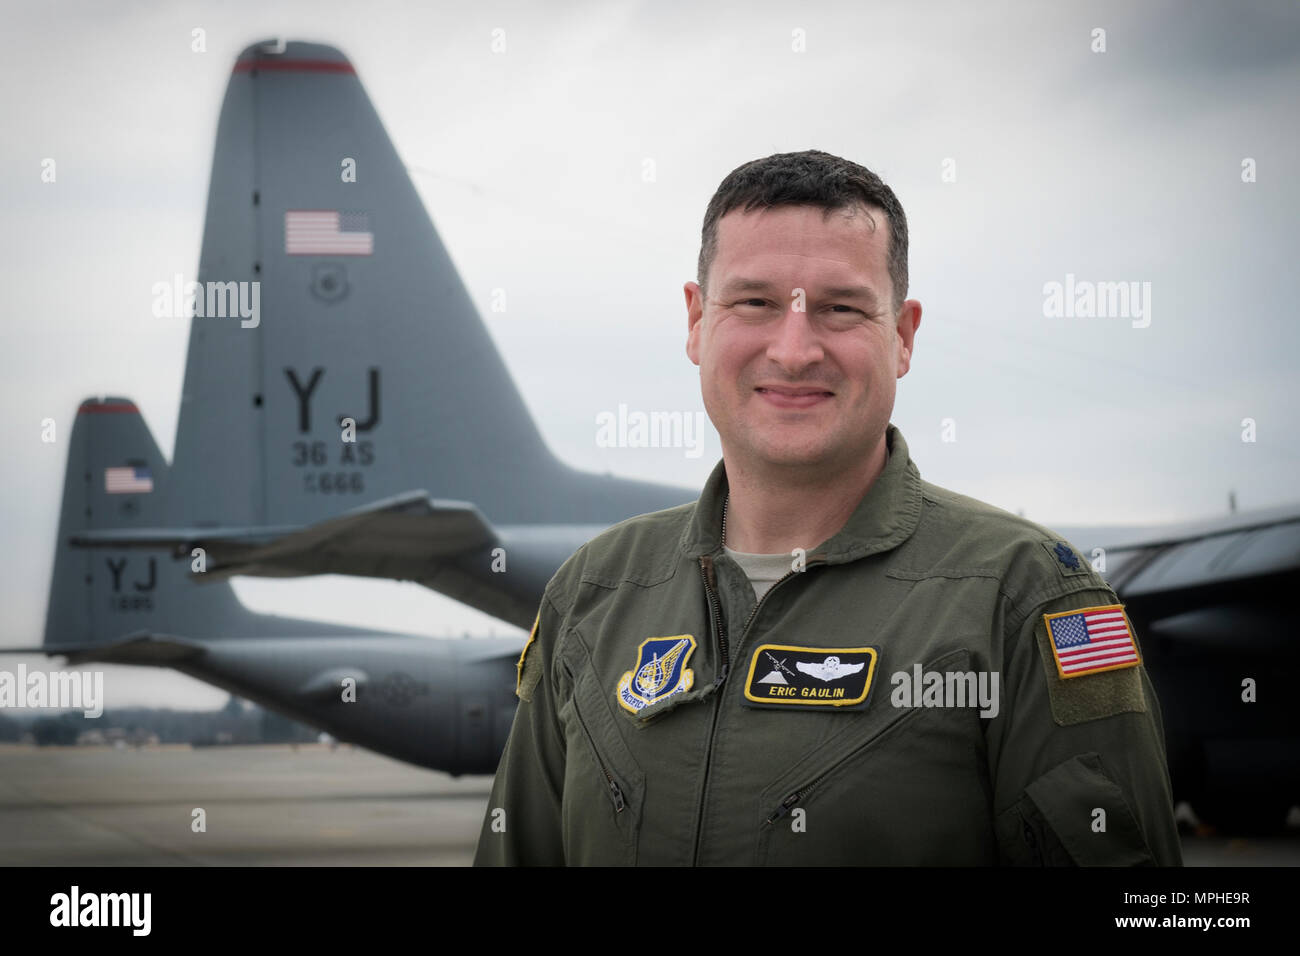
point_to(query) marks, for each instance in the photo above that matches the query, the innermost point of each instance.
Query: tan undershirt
(763, 570)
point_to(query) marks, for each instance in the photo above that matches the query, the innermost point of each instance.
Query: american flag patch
(1091, 640)
(327, 232)
(128, 480)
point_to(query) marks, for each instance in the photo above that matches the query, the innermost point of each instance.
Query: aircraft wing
(1200, 560)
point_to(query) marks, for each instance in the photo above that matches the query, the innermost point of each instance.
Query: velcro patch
(1091, 640)
(524, 688)
(783, 675)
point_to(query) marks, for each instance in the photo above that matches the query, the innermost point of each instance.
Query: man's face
(798, 380)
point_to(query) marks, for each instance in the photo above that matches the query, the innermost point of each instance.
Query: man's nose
(796, 344)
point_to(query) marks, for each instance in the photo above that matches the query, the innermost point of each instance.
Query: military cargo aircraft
(441, 703)
(330, 327)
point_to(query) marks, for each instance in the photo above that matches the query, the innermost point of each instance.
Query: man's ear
(694, 319)
(909, 320)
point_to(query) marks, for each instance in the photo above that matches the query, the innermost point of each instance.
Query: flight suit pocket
(1073, 815)
(840, 803)
(603, 786)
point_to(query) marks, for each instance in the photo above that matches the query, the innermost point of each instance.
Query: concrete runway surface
(309, 806)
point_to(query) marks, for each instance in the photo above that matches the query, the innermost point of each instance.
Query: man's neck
(767, 515)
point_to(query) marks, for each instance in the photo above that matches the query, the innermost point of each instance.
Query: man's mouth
(784, 397)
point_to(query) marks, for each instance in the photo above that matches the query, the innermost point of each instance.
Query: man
(825, 659)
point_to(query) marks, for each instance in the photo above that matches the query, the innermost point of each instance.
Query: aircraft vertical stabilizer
(116, 480)
(361, 315)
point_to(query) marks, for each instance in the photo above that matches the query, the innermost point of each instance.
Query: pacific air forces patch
(782, 675)
(660, 671)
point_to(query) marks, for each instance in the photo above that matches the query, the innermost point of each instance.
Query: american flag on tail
(327, 232)
(128, 480)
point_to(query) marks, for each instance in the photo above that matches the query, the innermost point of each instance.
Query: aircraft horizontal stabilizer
(399, 537)
(177, 540)
(158, 650)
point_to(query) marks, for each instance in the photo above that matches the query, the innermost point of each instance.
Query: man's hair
(810, 178)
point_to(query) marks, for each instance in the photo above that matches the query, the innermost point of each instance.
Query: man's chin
(792, 457)
(813, 457)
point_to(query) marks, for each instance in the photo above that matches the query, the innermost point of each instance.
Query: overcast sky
(1122, 165)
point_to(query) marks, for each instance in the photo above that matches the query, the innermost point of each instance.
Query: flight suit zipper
(616, 793)
(793, 799)
(1031, 841)
(724, 668)
(788, 803)
(715, 621)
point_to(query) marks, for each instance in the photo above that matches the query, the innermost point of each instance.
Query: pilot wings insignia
(830, 669)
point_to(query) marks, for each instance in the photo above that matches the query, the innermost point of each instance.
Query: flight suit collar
(884, 518)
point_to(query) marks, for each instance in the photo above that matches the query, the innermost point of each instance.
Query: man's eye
(846, 308)
(752, 302)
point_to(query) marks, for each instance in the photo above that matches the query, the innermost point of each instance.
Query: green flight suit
(1062, 771)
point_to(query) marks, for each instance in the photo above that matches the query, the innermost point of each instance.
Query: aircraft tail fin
(326, 294)
(117, 479)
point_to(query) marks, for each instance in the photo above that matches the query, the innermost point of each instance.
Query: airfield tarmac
(271, 805)
(285, 806)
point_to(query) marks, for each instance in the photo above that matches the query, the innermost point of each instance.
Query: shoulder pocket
(1073, 815)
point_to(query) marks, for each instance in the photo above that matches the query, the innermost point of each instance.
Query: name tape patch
(783, 675)
(1091, 640)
